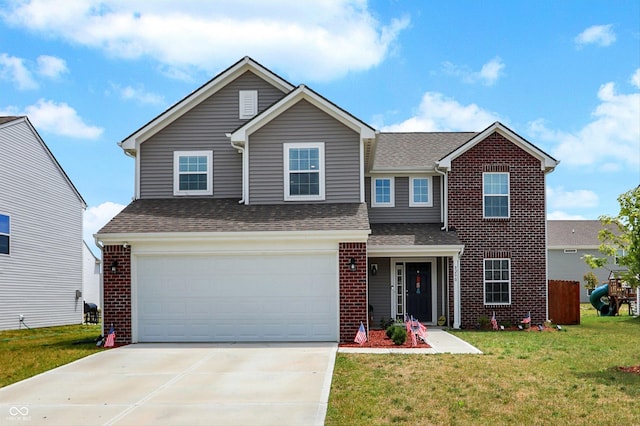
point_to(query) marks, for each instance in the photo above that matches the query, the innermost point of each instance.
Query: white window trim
(484, 282)
(7, 234)
(176, 172)
(508, 195)
(247, 104)
(392, 191)
(429, 202)
(287, 187)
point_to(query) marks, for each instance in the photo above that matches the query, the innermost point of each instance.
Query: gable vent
(248, 103)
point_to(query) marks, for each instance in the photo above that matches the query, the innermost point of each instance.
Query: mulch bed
(379, 339)
(633, 370)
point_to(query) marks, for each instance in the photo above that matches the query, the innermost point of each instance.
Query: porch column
(456, 291)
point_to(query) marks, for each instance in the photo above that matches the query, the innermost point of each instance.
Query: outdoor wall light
(352, 264)
(374, 269)
(114, 266)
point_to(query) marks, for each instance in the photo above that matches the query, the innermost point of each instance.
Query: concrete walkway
(440, 341)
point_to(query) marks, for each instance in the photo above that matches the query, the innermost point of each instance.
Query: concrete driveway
(180, 384)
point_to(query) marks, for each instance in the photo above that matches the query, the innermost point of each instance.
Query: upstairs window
(248, 104)
(496, 195)
(382, 192)
(303, 171)
(420, 192)
(5, 231)
(192, 173)
(497, 281)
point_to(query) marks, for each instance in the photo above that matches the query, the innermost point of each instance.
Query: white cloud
(560, 215)
(438, 113)
(51, 66)
(139, 95)
(635, 78)
(559, 198)
(600, 35)
(488, 74)
(14, 69)
(98, 216)
(613, 136)
(317, 40)
(57, 118)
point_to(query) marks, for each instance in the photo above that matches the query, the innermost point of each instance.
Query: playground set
(609, 297)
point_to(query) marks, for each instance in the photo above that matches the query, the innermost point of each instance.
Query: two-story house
(264, 212)
(41, 247)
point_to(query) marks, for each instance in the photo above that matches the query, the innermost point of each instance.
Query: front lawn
(564, 377)
(27, 352)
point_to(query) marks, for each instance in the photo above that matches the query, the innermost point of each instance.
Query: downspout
(445, 208)
(240, 150)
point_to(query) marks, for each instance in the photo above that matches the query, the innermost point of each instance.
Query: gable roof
(130, 143)
(302, 92)
(547, 163)
(6, 121)
(415, 151)
(574, 233)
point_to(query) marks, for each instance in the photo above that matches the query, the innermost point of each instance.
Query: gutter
(445, 197)
(240, 150)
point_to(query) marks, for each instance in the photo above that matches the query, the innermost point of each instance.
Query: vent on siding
(497, 168)
(248, 103)
(497, 254)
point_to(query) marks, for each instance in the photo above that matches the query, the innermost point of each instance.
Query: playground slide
(596, 300)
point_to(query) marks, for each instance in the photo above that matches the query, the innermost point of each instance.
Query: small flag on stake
(361, 335)
(527, 319)
(494, 321)
(111, 338)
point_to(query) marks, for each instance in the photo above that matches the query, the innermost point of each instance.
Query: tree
(621, 234)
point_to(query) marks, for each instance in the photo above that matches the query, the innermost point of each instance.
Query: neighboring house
(568, 242)
(90, 277)
(264, 212)
(40, 233)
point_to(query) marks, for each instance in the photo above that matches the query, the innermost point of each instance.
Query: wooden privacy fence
(564, 302)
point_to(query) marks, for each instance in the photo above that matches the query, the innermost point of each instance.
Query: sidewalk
(440, 341)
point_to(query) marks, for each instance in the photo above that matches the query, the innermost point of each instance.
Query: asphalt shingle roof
(6, 119)
(411, 151)
(573, 233)
(226, 215)
(411, 234)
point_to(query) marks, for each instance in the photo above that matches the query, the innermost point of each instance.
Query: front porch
(410, 267)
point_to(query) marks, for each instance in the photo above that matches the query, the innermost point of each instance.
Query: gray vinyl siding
(39, 277)
(203, 128)
(571, 267)
(402, 213)
(380, 290)
(304, 122)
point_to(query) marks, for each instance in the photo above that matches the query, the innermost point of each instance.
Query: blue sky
(565, 75)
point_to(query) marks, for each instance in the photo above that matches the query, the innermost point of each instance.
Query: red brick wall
(521, 237)
(117, 292)
(353, 289)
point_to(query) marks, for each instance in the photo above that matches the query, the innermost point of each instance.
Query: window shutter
(248, 103)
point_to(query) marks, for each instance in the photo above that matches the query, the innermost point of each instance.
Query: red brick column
(353, 289)
(116, 303)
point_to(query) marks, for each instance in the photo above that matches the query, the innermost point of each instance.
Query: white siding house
(90, 277)
(40, 233)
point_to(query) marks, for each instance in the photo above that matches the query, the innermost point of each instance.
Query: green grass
(549, 378)
(27, 352)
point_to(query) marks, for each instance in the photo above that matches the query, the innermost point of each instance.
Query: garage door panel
(237, 298)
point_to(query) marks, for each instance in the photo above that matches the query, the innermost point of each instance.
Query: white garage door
(237, 298)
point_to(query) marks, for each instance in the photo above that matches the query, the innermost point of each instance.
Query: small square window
(5, 232)
(420, 192)
(193, 173)
(382, 192)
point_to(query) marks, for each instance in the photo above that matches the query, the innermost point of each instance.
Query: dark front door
(418, 285)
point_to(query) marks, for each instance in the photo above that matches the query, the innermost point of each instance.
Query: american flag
(422, 332)
(494, 322)
(111, 338)
(527, 319)
(361, 335)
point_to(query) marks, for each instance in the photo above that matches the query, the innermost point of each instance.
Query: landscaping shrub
(399, 335)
